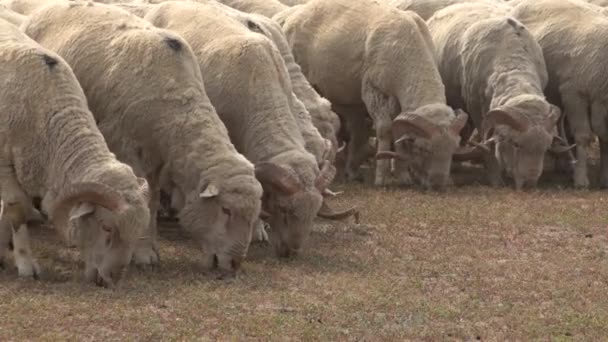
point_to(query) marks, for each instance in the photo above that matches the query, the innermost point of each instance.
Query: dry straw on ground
(472, 263)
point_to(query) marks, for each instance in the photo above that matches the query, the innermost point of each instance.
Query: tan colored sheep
(492, 66)
(372, 56)
(266, 8)
(145, 88)
(572, 37)
(248, 84)
(52, 149)
(426, 8)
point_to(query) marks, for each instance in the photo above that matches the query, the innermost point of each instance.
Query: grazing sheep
(426, 8)
(572, 38)
(11, 16)
(52, 149)
(317, 121)
(374, 57)
(492, 66)
(249, 86)
(266, 8)
(159, 120)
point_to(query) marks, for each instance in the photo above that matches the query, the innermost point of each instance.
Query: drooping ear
(81, 210)
(210, 191)
(458, 122)
(414, 125)
(269, 173)
(552, 118)
(501, 116)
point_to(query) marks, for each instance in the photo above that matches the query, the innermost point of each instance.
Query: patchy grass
(471, 263)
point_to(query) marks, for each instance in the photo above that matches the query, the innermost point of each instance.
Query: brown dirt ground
(474, 263)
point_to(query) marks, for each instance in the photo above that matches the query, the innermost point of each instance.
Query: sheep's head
(521, 144)
(105, 224)
(425, 148)
(221, 217)
(289, 205)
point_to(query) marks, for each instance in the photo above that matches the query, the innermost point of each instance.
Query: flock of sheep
(231, 114)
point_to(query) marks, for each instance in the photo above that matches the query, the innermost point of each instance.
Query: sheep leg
(22, 252)
(5, 243)
(356, 153)
(576, 110)
(382, 108)
(599, 125)
(146, 249)
(494, 170)
(11, 189)
(383, 166)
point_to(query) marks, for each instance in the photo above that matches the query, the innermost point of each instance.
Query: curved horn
(327, 213)
(555, 114)
(413, 124)
(458, 122)
(501, 117)
(326, 176)
(387, 155)
(341, 148)
(328, 146)
(278, 176)
(329, 193)
(95, 193)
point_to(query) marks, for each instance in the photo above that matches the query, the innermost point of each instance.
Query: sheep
(321, 119)
(374, 57)
(160, 120)
(266, 8)
(318, 123)
(426, 8)
(571, 37)
(52, 149)
(11, 16)
(25, 7)
(492, 66)
(249, 86)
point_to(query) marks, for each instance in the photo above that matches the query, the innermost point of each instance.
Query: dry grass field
(474, 263)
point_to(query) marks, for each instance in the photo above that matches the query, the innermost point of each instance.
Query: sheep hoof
(146, 255)
(581, 182)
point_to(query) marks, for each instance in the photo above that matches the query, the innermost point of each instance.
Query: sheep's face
(106, 224)
(423, 148)
(520, 143)
(291, 218)
(289, 204)
(107, 239)
(222, 219)
(428, 161)
(522, 155)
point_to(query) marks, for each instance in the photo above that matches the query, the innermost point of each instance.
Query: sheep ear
(81, 210)
(210, 191)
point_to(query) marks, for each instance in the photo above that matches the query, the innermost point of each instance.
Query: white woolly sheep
(11, 16)
(426, 8)
(159, 120)
(572, 38)
(266, 8)
(375, 57)
(492, 66)
(247, 81)
(52, 149)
